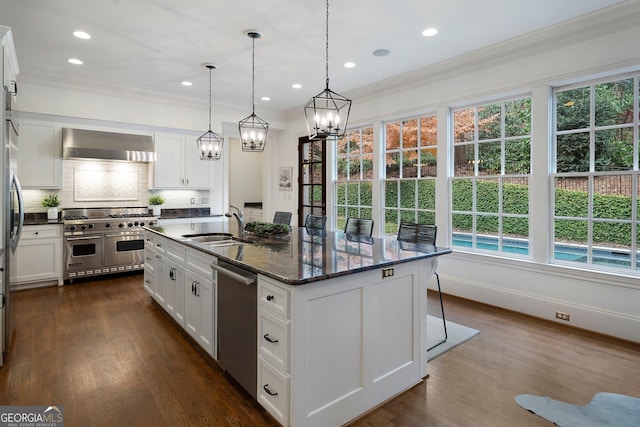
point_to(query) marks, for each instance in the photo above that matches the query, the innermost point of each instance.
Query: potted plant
(155, 201)
(51, 202)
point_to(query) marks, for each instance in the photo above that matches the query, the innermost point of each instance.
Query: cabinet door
(199, 310)
(161, 279)
(168, 169)
(39, 254)
(40, 156)
(174, 301)
(197, 172)
(149, 280)
(38, 260)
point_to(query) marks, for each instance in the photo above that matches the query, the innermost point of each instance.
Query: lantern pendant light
(210, 144)
(253, 130)
(328, 112)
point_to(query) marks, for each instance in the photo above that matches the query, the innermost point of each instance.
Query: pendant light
(210, 144)
(253, 130)
(328, 112)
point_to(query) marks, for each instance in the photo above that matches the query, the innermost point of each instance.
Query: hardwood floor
(106, 353)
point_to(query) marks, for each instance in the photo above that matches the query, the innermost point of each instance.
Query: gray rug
(456, 334)
(605, 409)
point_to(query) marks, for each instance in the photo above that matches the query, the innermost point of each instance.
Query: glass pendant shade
(253, 130)
(210, 144)
(327, 113)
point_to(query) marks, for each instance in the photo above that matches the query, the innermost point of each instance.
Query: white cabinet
(274, 334)
(180, 279)
(178, 164)
(39, 255)
(199, 310)
(175, 286)
(40, 156)
(9, 59)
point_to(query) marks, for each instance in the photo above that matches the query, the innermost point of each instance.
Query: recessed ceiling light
(430, 32)
(82, 35)
(266, 98)
(349, 64)
(381, 52)
(74, 61)
(185, 83)
(296, 85)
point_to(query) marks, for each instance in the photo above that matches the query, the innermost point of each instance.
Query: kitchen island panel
(357, 341)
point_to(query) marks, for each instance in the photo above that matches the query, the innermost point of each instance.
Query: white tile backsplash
(99, 183)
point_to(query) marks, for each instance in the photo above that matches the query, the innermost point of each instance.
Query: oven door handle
(73, 238)
(127, 234)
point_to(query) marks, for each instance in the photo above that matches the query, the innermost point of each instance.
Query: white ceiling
(153, 45)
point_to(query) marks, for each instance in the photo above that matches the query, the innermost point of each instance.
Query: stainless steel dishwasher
(238, 324)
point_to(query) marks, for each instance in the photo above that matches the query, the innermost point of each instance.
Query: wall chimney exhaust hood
(91, 144)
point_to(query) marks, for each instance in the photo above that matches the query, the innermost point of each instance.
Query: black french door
(312, 192)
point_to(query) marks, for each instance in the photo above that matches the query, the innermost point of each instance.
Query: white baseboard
(589, 318)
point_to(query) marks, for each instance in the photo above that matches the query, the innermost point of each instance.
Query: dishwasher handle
(248, 279)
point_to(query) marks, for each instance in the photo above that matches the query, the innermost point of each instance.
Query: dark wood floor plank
(107, 353)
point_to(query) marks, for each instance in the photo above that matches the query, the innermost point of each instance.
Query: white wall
(245, 174)
(595, 46)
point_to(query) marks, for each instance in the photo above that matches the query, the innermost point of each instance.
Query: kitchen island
(341, 319)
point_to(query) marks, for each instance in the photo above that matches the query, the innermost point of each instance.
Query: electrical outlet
(387, 272)
(563, 316)
(193, 200)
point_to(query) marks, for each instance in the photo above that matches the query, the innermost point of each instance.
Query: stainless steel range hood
(91, 144)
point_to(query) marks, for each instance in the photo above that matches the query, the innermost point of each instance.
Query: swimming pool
(562, 252)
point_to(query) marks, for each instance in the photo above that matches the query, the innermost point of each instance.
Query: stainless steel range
(104, 240)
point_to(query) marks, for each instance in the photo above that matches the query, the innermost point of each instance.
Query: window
(492, 162)
(354, 166)
(410, 171)
(596, 189)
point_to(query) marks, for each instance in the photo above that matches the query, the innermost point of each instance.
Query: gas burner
(74, 218)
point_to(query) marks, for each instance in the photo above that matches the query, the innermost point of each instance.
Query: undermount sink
(209, 237)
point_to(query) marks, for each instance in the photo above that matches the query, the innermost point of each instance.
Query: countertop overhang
(302, 257)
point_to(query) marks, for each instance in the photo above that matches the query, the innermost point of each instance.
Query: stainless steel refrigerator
(11, 213)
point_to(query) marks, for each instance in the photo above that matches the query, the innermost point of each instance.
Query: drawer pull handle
(269, 392)
(269, 297)
(268, 338)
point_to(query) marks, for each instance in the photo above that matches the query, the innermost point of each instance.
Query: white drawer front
(273, 391)
(273, 298)
(273, 337)
(176, 251)
(40, 232)
(200, 263)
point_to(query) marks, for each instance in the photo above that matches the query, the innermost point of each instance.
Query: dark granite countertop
(38, 218)
(303, 257)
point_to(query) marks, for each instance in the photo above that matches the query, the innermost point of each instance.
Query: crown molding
(617, 18)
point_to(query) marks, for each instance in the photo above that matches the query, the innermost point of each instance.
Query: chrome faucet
(239, 217)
